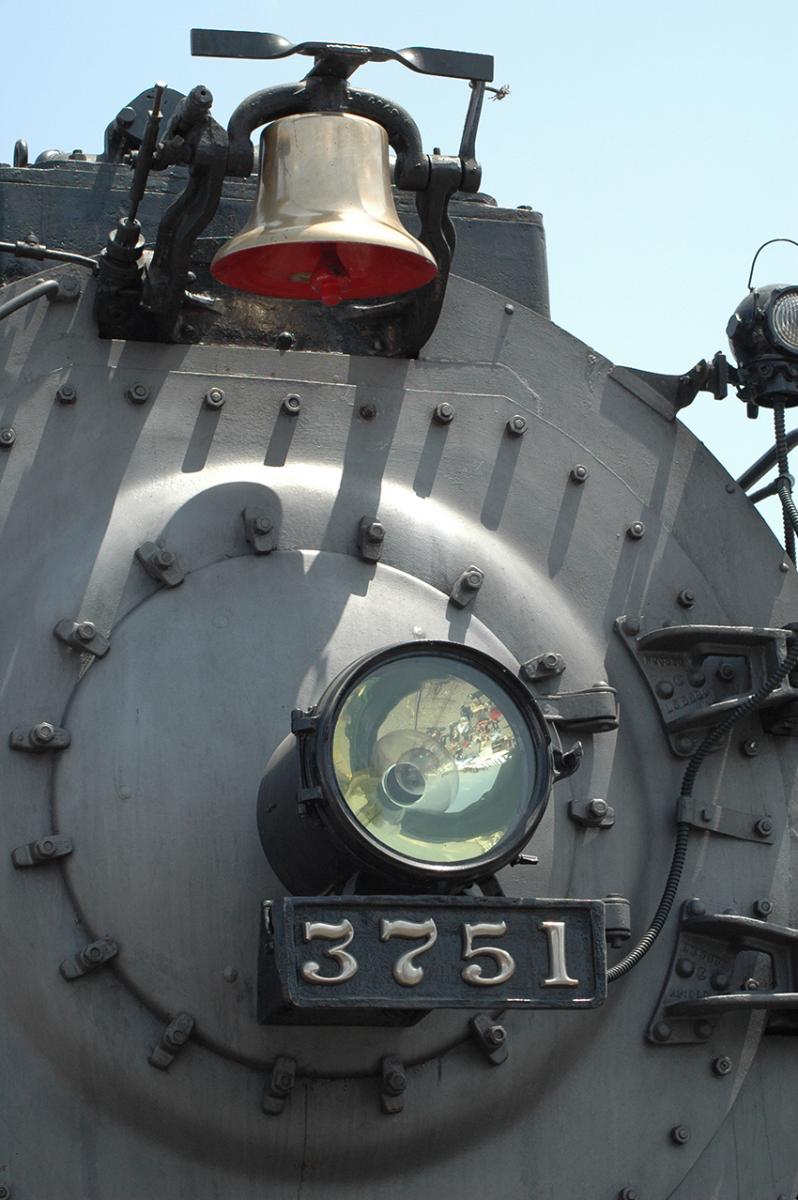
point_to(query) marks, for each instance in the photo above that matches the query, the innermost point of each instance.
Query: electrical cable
(40, 253)
(784, 483)
(711, 740)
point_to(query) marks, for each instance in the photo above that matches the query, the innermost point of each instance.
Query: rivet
(285, 340)
(665, 689)
(731, 489)
(703, 1030)
(7, 437)
(517, 425)
(214, 398)
(66, 394)
(721, 1066)
(720, 981)
(686, 598)
(707, 816)
(368, 411)
(291, 405)
(509, 309)
(683, 743)
(230, 974)
(783, 567)
(680, 1134)
(725, 672)
(685, 967)
(750, 748)
(444, 413)
(662, 1031)
(763, 827)
(697, 678)
(696, 908)
(138, 393)
(636, 530)
(579, 473)
(763, 907)
(631, 626)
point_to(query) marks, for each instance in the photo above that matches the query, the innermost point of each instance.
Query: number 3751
(485, 965)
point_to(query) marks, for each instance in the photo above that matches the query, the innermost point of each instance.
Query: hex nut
(85, 630)
(375, 532)
(291, 405)
(680, 1135)
(763, 827)
(763, 908)
(138, 393)
(598, 808)
(496, 1035)
(725, 672)
(164, 559)
(285, 340)
(263, 524)
(517, 425)
(721, 1066)
(368, 411)
(43, 733)
(579, 473)
(473, 579)
(214, 398)
(66, 394)
(750, 747)
(7, 437)
(686, 598)
(636, 530)
(628, 1194)
(444, 413)
(395, 1082)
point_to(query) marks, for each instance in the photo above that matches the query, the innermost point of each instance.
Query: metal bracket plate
(173, 1039)
(731, 822)
(45, 850)
(594, 710)
(698, 673)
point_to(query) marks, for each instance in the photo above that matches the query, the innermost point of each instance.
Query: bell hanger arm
(340, 58)
(320, 94)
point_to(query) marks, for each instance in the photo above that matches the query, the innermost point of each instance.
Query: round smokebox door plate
(170, 736)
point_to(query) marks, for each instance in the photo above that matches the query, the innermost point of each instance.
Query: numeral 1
(558, 974)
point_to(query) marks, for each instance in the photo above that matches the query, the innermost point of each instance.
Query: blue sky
(657, 140)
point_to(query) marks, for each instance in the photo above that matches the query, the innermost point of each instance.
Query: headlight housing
(763, 332)
(427, 763)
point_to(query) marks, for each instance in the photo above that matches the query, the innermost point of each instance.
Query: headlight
(424, 761)
(783, 320)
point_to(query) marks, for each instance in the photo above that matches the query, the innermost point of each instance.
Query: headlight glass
(784, 320)
(435, 760)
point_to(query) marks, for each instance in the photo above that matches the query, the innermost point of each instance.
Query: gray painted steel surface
(170, 732)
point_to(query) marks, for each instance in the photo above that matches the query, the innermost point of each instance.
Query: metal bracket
(160, 563)
(698, 673)
(258, 530)
(466, 586)
(43, 738)
(95, 955)
(279, 1086)
(596, 813)
(43, 851)
(173, 1039)
(705, 965)
(490, 1037)
(716, 818)
(566, 762)
(393, 1083)
(594, 710)
(83, 636)
(544, 666)
(370, 538)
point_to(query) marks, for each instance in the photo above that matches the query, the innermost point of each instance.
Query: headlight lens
(435, 761)
(783, 317)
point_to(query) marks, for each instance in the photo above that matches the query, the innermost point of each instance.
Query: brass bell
(324, 225)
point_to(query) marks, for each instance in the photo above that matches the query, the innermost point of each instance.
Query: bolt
(697, 678)
(285, 340)
(665, 689)
(680, 1135)
(138, 393)
(509, 309)
(395, 1083)
(685, 967)
(636, 530)
(46, 847)
(164, 559)
(375, 532)
(495, 1035)
(579, 473)
(703, 1029)
(66, 394)
(750, 748)
(631, 625)
(43, 733)
(725, 672)
(230, 974)
(517, 425)
(291, 405)
(783, 567)
(696, 908)
(7, 437)
(282, 1082)
(720, 981)
(750, 985)
(178, 1037)
(262, 525)
(444, 412)
(763, 908)
(598, 808)
(721, 1066)
(214, 398)
(473, 579)
(85, 630)
(662, 1031)
(550, 661)
(763, 827)
(686, 598)
(93, 954)
(126, 115)
(368, 411)
(628, 1194)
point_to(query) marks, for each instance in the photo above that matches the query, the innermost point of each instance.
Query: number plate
(400, 952)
